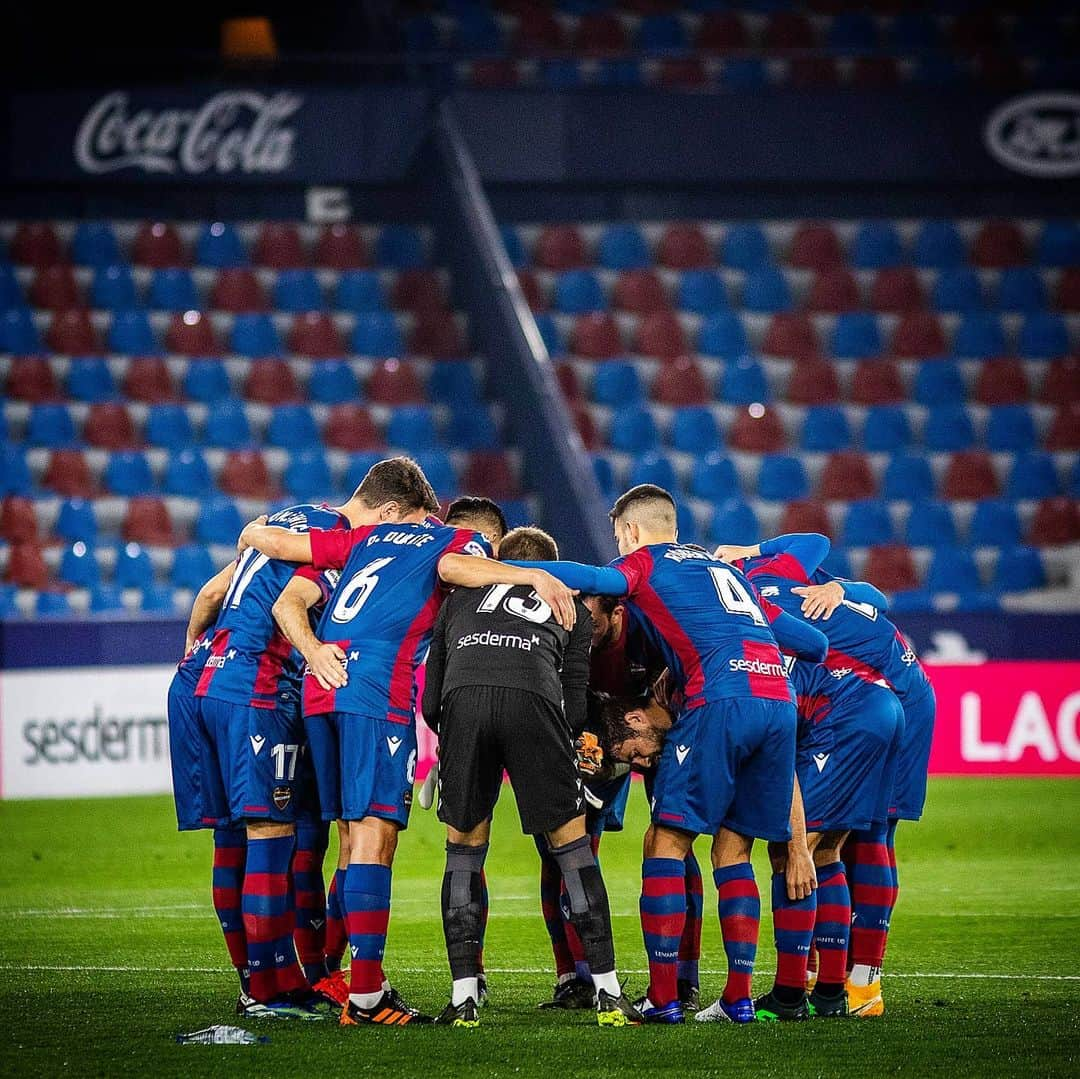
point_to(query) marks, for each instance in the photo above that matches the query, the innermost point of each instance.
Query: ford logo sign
(1037, 134)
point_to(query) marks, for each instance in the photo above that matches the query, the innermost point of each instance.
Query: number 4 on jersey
(733, 596)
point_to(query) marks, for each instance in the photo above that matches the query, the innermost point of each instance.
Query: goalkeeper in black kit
(506, 690)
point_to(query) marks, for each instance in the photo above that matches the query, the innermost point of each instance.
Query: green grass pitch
(109, 947)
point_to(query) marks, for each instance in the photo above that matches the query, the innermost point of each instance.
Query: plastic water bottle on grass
(219, 1034)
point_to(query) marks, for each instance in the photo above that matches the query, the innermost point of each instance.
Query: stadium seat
(50, 425)
(957, 289)
(490, 472)
(1021, 288)
(744, 382)
(439, 469)
(766, 290)
(681, 383)
(35, 243)
(376, 333)
(694, 430)
(360, 292)
(1064, 432)
(1019, 569)
(979, 336)
(855, 335)
(641, 292)
(9, 608)
(852, 31)
(560, 247)
(18, 334)
(412, 428)
(876, 246)
(148, 379)
(515, 249)
(781, 477)
(701, 292)
(113, 288)
(790, 335)
(307, 476)
(825, 429)
(734, 521)
(1059, 244)
(998, 244)
(846, 476)
(105, 599)
(418, 290)
(237, 289)
(254, 334)
(10, 293)
(219, 246)
(30, 379)
(661, 32)
(722, 334)
(54, 289)
(314, 334)
(1062, 382)
(191, 333)
(616, 383)
(26, 568)
(805, 515)
(109, 426)
(158, 245)
(745, 247)
(1010, 428)
(192, 567)
(271, 382)
(745, 73)
(834, 291)
(585, 425)
(14, 473)
(358, 466)
(994, 524)
(661, 334)
(89, 379)
(531, 289)
(605, 476)
(67, 473)
(279, 247)
(896, 290)
(186, 473)
(948, 428)
(207, 381)
(292, 427)
(1043, 336)
(877, 382)
(1001, 382)
(918, 335)
(577, 292)
(173, 289)
(133, 567)
(453, 383)
(930, 524)
(653, 467)
(720, 31)
(130, 332)
(684, 247)
(340, 247)
(78, 566)
(296, 291)
(94, 244)
(18, 522)
(350, 427)
(127, 473)
(219, 522)
(867, 524)
(890, 568)
(939, 383)
(1068, 289)
(72, 333)
(757, 430)
(157, 599)
(76, 521)
(1056, 521)
(938, 246)
(885, 429)
(595, 336)
(52, 605)
(622, 247)
(394, 382)
(813, 382)
(226, 424)
(713, 478)
(633, 430)
(599, 33)
(147, 521)
(815, 246)
(969, 475)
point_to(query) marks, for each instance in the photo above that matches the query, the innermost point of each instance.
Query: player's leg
(337, 936)
(309, 890)
(571, 991)
(690, 943)
(832, 927)
(230, 858)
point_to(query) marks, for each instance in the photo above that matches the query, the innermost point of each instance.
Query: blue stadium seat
(376, 334)
(400, 247)
(995, 523)
(654, 467)
(133, 567)
(52, 605)
(127, 473)
(781, 478)
(979, 336)
(360, 290)
(206, 381)
(78, 566)
(94, 244)
(661, 33)
(1033, 475)
(254, 334)
(838, 563)
(578, 291)
(688, 529)
(952, 569)
(219, 246)
(131, 333)
(885, 429)
(358, 466)
(876, 246)
(616, 383)
(15, 476)
(297, 290)
(694, 430)
(157, 599)
(18, 334)
(227, 425)
(702, 292)
(930, 524)
(744, 73)
(421, 34)
(219, 521)
(766, 289)
(1019, 569)
(914, 31)
(722, 334)
(714, 478)
(867, 524)
(913, 600)
(745, 247)
(938, 69)
(735, 522)
(307, 476)
(439, 469)
(113, 288)
(173, 289)
(452, 383)
(1010, 428)
(939, 382)
(412, 427)
(907, 478)
(515, 249)
(472, 427)
(948, 428)
(561, 74)
(938, 246)
(10, 293)
(605, 476)
(8, 607)
(1021, 288)
(1074, 480)
(89, 379)
(332, 382)
(1043, 336)
(549, 331)
(855, 335)
(1059, 244)
(50, 425)
(622, 247)
(633, 430)
(825, 429)
(76, 521)
(957, 288)
(168, 426)
(292, 427)
(744, 382)
(477, 31)
(192, 566)
(852, 31)
(187, 474)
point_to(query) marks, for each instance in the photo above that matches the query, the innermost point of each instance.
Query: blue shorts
(198, 791)
(261, 759)
(364, 766)
(614, 793)
(729, 764)
(847, 762)
(909, 790)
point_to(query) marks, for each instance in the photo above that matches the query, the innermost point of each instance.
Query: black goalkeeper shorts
(485, 729)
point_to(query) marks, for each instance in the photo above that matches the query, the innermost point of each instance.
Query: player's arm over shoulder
(575, 668)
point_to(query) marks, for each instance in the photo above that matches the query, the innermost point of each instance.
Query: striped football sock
(269, 918)
(873, 896)
(367, 915)
(663, 918)
(337, 936)
(793, 932)
(690, 944)
(230, 856)
(310, 895)
(740, 917)
(833, 926)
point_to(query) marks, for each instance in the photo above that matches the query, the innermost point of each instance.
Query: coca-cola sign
(236, 131)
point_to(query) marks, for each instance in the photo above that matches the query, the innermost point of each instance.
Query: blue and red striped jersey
(383, 611)
(249, 660)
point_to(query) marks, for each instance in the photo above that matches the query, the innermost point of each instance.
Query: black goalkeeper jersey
(505, 635)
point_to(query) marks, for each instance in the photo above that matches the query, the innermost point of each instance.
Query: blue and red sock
(873, 895)
(337, 935)
(663, 918)
(739, 905)
(832, 928)
(367, 915)
(793, 932)
(690, 944)
(310, 896)
(550, 903)
(230, 856)
(269, 919)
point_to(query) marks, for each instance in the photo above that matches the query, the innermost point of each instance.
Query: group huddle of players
(760, 698)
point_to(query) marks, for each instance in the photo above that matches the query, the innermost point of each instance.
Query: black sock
(829, 989)
(589, 912)
(788, 994)
(463, 908)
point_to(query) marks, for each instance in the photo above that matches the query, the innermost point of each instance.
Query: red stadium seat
(530, 289)
(568, 382)
(1002, 382)
(874, 72)
(998, 244)
(491, 473)
(191, 333)
(315, 334)
(237, 289)
(68, 474)
(969, 475)
(805, 515)
(896, 290)
(891, 568)
(684, 247)
(585, 425)
(1062, 381)
(790, 334)
(350, 427)
(877, 382)
(681, 383)
(813, 382)
(395, 383)
(148, 522)
(805, 72)
(1068, 290)
(596, 336)
(1056, 522)
(834, 291)
(148, 380)
(31, 379)
(599, 33)
(495, 73)
(72, 333)
(341, 247)
(538, 31)
(721, 31)
(54, 288)
(271, 382)
(35, 244)
(846, 477)
(279, 246)
(1064, 433)
(436, 333)
(682, 73)
(109, 427)
(918, 335)
(661, 334)
(26, 568)
(18, 522)
(640, 291)
(245, 475)
(417, 290)
(815, 246)
(789, 30)
(760, 431)
(158, 245)
(560, 247)
(972, 31)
